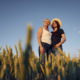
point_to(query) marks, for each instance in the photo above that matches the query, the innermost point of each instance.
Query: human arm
(39, 35)
(63, 39)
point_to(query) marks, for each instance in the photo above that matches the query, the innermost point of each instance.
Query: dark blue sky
(15, 16)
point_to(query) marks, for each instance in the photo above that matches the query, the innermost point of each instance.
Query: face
(54, 24)
(46, 23)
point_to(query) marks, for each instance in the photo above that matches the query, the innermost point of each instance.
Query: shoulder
(61, 31)
(41, 29)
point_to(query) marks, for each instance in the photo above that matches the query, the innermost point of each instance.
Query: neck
(55, 29)
(46, 27)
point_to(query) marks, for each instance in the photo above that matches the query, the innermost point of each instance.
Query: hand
(42, 50)
(57, 45)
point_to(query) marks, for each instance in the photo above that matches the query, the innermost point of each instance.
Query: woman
(44, 40)
(57, 34)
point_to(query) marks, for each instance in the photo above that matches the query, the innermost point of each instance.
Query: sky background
(15, 15)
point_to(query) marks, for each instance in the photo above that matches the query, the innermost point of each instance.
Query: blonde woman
(44, 39)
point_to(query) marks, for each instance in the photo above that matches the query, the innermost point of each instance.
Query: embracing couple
(50, 41)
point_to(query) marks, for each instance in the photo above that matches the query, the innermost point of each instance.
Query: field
(27, 66)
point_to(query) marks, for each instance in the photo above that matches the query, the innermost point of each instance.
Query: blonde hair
(48, 21)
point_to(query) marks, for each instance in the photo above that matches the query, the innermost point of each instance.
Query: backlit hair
(48, 21)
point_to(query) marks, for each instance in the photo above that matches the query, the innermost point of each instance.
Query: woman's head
(46, 22)
(55, 24)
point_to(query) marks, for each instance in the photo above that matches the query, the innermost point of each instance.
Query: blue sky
(15, 16)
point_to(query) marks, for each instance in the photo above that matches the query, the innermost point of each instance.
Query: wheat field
(27, 66)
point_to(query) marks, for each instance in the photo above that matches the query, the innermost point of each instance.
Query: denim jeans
(46, 50)
(54, 51)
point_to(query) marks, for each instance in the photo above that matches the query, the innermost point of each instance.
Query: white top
(46, 36)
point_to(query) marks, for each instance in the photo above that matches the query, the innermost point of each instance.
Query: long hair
(58, 27)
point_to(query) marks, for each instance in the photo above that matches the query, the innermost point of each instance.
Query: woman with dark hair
(57, 34)
(56, 42)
